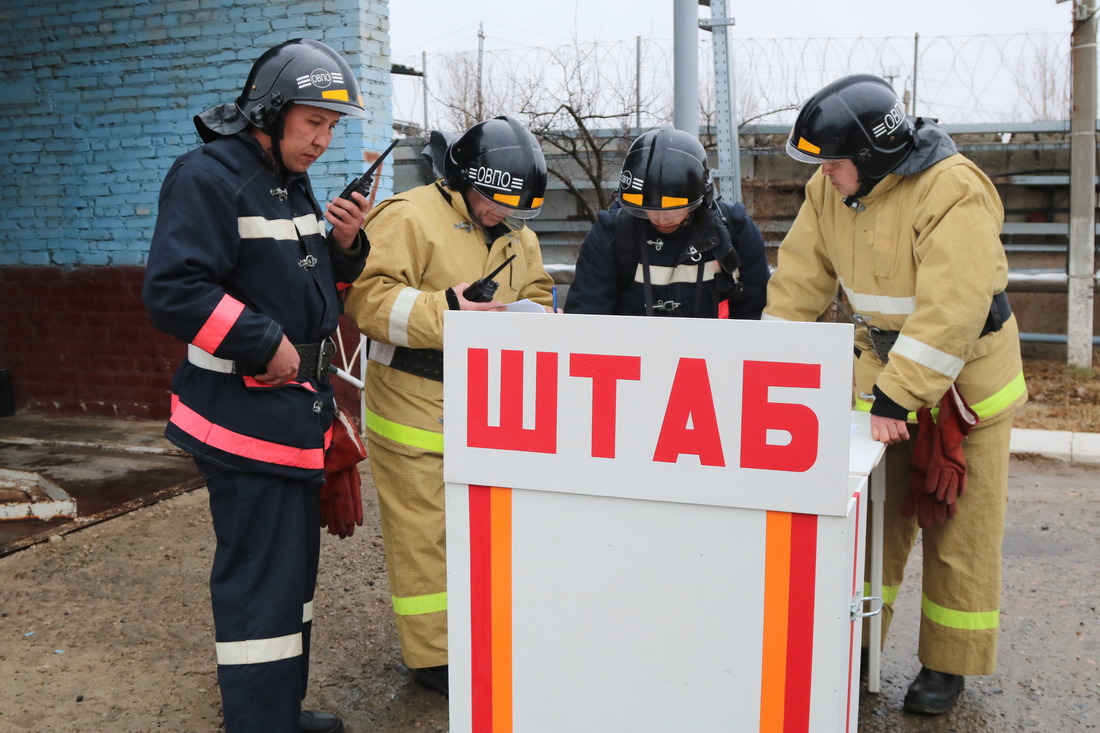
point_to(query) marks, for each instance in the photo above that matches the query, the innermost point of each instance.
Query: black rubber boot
(433, 678)
(933, 693)
(312, 721)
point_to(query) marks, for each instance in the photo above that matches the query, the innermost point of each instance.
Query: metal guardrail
(1019, 281)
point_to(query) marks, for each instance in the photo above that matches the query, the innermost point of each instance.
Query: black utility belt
(314, 361)
(999, 312)
(426, 363)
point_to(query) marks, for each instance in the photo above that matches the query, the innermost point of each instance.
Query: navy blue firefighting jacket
(239, 257)
(680, 285)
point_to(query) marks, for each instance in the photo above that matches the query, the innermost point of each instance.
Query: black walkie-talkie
(363, 183)
(484, 289)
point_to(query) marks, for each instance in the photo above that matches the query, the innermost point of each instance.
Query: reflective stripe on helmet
(809, 147)
(340, 94)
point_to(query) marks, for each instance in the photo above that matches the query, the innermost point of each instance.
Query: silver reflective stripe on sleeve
(927, 356)
(307, 612)
(259, 651)
(769, 317)
(399, 316)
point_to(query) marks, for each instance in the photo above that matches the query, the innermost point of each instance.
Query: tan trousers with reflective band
(961, 575)
(414, 534)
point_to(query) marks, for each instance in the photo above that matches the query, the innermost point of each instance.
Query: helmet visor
(508, 205)
(673, 209)
(346, 108)
(805, 151)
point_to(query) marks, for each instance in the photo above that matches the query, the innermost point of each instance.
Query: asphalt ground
(104, 624)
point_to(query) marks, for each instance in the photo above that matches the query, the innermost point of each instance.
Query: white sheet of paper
(524, 306)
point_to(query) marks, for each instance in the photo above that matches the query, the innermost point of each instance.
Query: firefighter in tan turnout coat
(909, 230)
(427, 245)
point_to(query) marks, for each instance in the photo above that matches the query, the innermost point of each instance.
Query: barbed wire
(1021, 77)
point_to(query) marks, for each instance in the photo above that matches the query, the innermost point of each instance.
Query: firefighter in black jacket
(242, 270)
(669, 247)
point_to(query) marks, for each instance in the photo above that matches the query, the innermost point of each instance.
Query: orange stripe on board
(500, 509)
(777, 570)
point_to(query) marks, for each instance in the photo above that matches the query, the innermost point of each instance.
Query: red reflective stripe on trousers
(218, 437)
(213, 332)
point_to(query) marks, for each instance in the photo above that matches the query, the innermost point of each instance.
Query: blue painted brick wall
(98, 100)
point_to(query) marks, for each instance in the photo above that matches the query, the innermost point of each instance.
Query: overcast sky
(438, 26)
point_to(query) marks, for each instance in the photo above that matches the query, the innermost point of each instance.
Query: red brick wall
(78, 342)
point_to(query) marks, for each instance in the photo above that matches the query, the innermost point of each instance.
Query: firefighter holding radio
(458, 243)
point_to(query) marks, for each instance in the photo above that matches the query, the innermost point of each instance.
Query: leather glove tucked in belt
(341, 502)
(939, 464)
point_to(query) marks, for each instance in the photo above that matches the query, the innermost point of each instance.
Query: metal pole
(685, 65)
(424, 79)
(480, 53)
(1082, 191)
(916, 45)
(728, 172)
(637, 83)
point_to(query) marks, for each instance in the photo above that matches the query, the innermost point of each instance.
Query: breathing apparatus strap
(647, 284)
(712, 232)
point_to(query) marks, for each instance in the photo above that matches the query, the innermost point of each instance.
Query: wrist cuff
(357, 250)
(883, 406)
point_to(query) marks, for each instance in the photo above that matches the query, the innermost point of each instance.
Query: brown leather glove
(919, 501)
(341, 501)
(939, 464)
(947, 466)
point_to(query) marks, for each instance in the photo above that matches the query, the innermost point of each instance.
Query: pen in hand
(554, 296)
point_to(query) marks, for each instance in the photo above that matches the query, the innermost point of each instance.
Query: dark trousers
(261, 590)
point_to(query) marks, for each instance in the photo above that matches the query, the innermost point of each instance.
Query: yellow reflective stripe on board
(965, 620)
(417, 605)
(403, 434)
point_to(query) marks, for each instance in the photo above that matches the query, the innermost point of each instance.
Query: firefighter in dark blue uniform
(668, 247)
(242, 270)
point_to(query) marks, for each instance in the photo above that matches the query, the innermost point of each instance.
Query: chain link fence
(1023, 77)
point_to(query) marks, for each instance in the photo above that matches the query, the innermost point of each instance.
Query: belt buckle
(325, 351)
